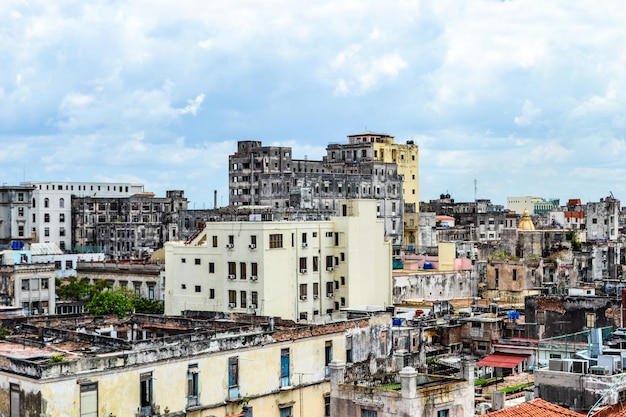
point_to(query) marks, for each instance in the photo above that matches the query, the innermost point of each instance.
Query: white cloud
(529, 112)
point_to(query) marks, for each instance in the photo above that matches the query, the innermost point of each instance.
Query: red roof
(534, 408)
(502, 360)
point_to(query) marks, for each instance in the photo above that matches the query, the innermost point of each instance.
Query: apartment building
(369, 166)
(51, 208)
(26, 284)
(154, 366)
(15, 216)
(129, 227)
(602, 219)
(292, 269)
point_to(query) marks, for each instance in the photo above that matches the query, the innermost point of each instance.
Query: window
(145, 393)
(183, 260)
(253, 240)
(212, 293)
(183, 286)
(329, 262)
(151, 292)
(61, 203)
(329, 289)
(515, 275)
(89, 400)
(231, 239)
(254, 299)
(232, 269)
(46, 217)
(62, 231)
(284, 368)
(316, 265)
(46, 203)
(192, 385)
(211, 267)
(197, 261)
(20, 211)
(198, 288)
(20, 231)
(349, 349)
(328, 356)
(44, 284)
(61, 217)
(443, 413)
(316, 290)
(233, 377)
(303, 265)
(286, 412)
(304, 242)
(369, 413)
(303, 291)
(215, 241)
(232, 298)
(255, 269)
(137, 289)
(242, 270)
(343, 280)
(276, 241)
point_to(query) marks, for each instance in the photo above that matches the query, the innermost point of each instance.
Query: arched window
(46, 203)
(61, 203)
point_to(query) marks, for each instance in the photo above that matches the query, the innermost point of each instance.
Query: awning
(502, 360)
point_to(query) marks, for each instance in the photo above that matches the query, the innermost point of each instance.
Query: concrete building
(65, 264)
(402, 394)
(172, 366)
(292, 269)
(130, 227)
(369, 166)
(26, 284)
(15, 216)
(146, 280)
(534, 205)
(52, 206)
(602, 219)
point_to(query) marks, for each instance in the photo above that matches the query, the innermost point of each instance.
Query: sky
(520, 97)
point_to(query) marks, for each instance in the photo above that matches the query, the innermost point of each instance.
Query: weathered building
(369, 166)
(15, 216)
(26, 284)
(126, 227)
(157, 366)
(402, 394)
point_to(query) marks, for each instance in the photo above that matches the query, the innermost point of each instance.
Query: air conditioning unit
(329, 268)
(303, 271)
(252, 246)
(303, 297)
(231, 305)
(230, 245)
(315, 296)
(304, 244)
(330, 295)
(253, 306)
(253, 278)
(231, 276)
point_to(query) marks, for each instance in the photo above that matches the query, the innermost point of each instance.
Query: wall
(433, 286)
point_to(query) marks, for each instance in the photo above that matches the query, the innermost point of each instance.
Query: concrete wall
(433, 286)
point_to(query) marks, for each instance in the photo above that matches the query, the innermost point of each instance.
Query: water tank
(428, 265)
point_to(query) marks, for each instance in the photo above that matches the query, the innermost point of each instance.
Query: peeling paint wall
(434, 286)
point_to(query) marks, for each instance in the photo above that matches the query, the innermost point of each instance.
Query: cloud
(487, 89)
(529, 112)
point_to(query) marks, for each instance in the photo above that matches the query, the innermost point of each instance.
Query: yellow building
(299, 270)
(155, 366)
(406, 157)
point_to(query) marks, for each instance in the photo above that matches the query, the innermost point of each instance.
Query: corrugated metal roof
(45, 249)
(502, 360)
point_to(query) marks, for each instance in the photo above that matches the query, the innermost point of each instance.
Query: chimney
(214, 199)
(408, 382)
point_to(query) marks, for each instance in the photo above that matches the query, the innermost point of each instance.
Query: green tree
(146, 306)
(110, 302)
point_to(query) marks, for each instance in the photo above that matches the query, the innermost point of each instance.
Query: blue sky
(527, 97)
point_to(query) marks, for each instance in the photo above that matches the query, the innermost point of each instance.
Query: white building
(291, 269)
(51, 206)
(64, 263)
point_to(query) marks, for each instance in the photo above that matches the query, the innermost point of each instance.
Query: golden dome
(526, 222)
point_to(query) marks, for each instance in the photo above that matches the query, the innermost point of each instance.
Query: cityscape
(323, 288)
(312, 209)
